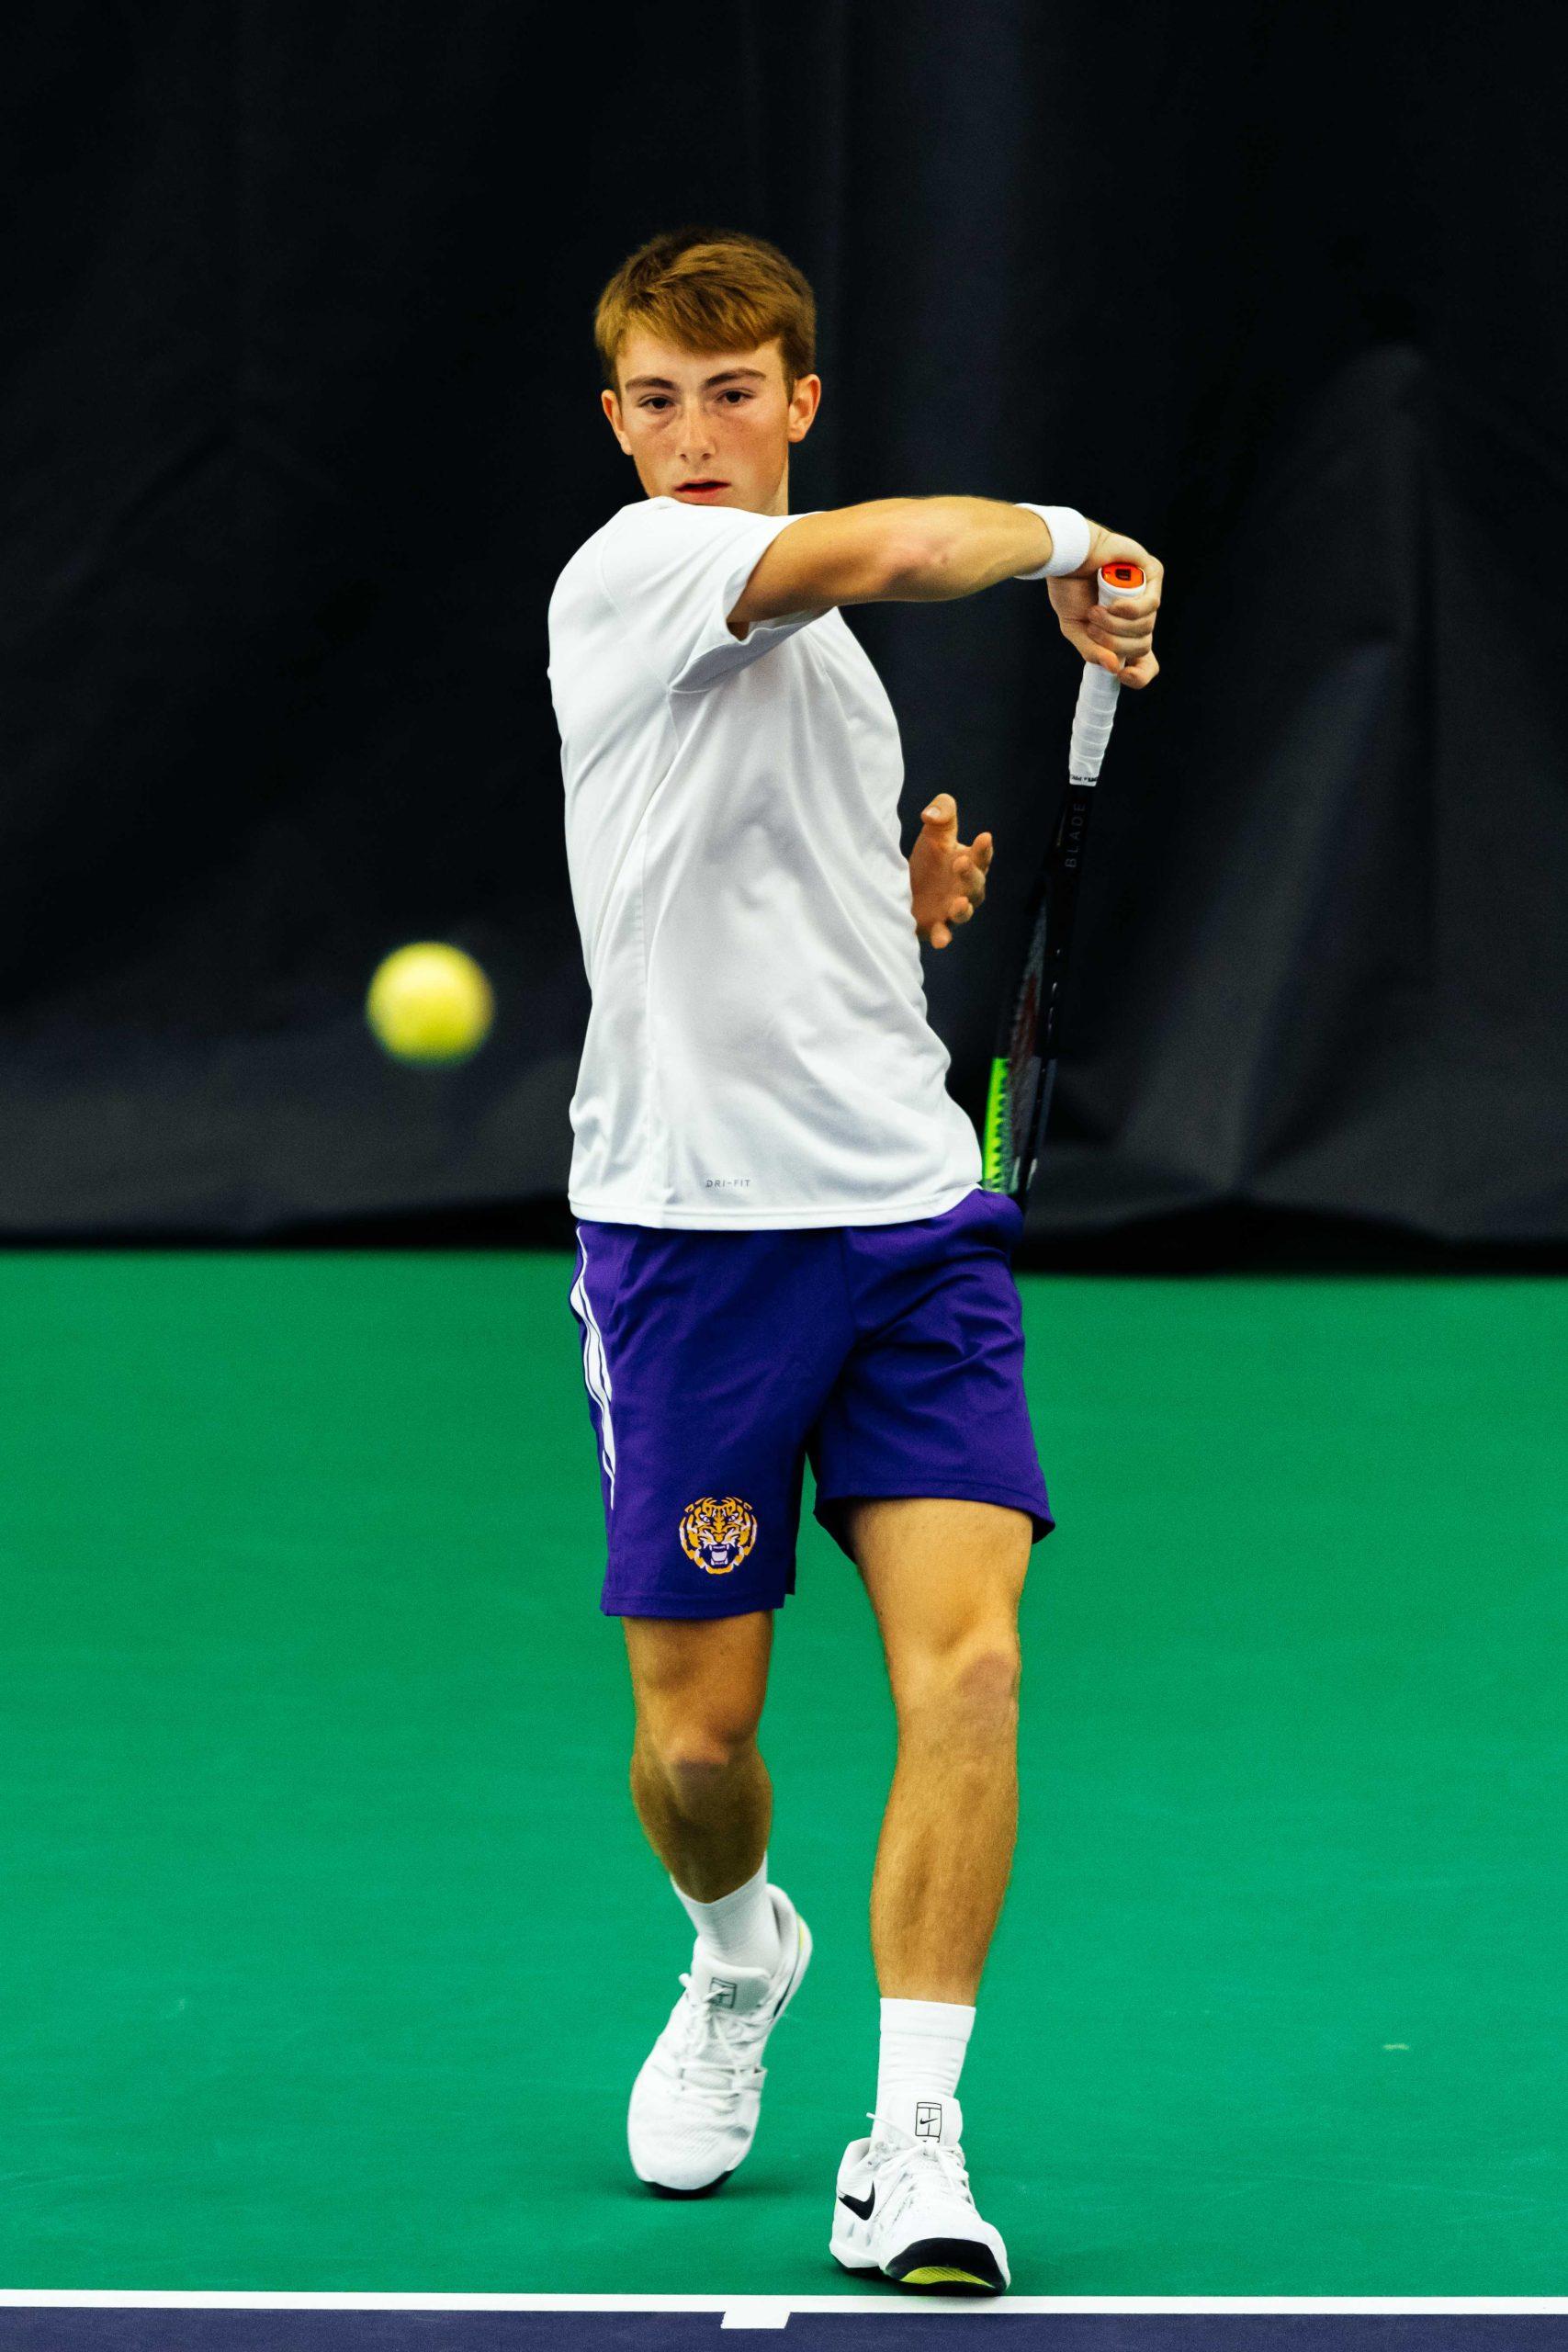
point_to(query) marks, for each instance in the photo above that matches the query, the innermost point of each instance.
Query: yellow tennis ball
(429, 1002)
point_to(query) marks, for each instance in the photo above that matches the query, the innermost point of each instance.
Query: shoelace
(902, 2150)
(726, 2077)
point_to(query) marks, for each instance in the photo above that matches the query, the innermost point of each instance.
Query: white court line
(872, 2304)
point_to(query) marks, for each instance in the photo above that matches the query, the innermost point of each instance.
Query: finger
(1106, 620)
(939, 935)
(1099, 656)
(1141, 607)
(961, 912)
(1127, 649)
(1141, 673)
(941, 812)
(985, 849)
(1128, 643)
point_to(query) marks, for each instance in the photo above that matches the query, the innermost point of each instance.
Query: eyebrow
(663, 384)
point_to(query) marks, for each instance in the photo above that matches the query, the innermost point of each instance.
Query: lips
(701, 484)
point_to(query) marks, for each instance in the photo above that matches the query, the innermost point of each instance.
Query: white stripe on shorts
(595, 1366)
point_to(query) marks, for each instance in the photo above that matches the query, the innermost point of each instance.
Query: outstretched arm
(924, 550)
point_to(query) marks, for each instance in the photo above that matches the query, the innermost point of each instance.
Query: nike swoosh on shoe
(863, 2206)
(788, 1985)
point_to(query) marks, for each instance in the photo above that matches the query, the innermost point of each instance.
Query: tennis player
(783, 1249)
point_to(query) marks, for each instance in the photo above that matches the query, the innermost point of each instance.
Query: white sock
(739, 1927)
(923, 2044)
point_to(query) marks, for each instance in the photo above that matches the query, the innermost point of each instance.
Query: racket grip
(1101, 689)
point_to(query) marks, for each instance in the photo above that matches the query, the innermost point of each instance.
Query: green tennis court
(332, 1944)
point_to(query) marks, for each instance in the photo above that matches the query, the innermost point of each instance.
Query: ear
(610, 402)
(803, 403)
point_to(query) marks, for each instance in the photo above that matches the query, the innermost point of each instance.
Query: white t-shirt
(757, 1052)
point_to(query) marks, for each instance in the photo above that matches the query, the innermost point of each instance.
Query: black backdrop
(301, 421)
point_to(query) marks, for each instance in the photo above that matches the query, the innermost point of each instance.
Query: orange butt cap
(1123, 575)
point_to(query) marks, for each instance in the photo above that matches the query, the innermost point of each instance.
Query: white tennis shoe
(695, 2102)
(903, 2206)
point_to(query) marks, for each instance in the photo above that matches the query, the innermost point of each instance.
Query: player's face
(711, 429)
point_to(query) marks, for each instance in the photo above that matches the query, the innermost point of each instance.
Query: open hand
(947, 876)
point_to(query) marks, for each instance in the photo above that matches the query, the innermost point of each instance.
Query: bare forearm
(956, 546)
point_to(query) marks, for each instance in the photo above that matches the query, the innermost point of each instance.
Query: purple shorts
(717, 1364)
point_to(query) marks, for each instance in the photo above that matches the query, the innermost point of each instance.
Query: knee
(975, 1682)
(985, 1680)
(694, 1752)
(697, 1689)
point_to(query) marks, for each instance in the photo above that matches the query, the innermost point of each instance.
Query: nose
(697, 440)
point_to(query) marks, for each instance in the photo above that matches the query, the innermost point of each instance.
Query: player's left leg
(945, 1578)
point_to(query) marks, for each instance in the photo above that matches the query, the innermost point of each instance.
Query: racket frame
(1011, 1142)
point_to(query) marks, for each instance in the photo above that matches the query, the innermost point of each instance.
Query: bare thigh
(699, 1681)
(944, 1576)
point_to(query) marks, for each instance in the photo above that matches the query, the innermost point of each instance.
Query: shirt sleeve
(673, 572)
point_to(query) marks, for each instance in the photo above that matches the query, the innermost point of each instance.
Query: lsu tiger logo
(716, 1534)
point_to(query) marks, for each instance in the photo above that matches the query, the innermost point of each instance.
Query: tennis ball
(429, 1002)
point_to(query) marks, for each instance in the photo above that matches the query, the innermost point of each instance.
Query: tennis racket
(1023, 1070)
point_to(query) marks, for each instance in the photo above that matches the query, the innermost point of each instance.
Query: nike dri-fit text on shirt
(757, 1052)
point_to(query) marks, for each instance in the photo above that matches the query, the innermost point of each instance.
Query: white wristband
(1069, 541)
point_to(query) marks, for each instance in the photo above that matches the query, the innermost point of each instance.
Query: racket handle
(1101, 689)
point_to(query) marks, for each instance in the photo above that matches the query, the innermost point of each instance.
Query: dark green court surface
(331, 1943)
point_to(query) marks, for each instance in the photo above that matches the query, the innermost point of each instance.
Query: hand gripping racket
(1023, 1070)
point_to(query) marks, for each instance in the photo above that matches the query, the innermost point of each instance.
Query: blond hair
(709, 289)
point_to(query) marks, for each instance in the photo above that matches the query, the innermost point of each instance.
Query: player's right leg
(707, 1356)
(705, 1799)
(698, 1780)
